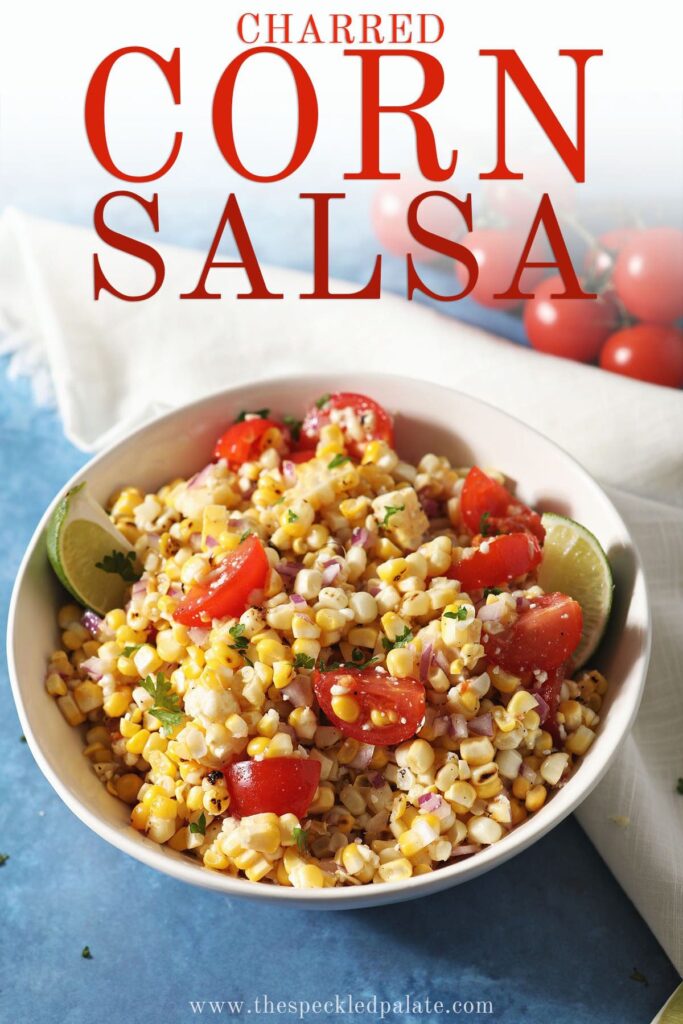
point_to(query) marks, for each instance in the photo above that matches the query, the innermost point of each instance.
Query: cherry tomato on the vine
(498, 252)
(572, 328)
(648, 275)
(647, 352)
(601, 257)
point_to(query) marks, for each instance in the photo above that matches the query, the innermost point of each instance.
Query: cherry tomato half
(488, 508)
(227, 591)
(648, 275)
(279, 785)
(376, 423)
(499, 560)
(246, 440)
(390, 217)
(543, 636)
(401, 700)
(572, 328)
(647, 352)
(497, 254)
(305, 455)
(549, 691)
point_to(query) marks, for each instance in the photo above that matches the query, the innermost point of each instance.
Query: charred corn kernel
(70, 710)
(462, 794)
(535, 798)
(571, 710)
(420, 757)
(503, 681)
(393, 570)
(577, 742)
(489, 787)
(309, 648)
(346, 708)
(518, 812)
(127, 787)
(258, 746)
(323, 800)
(136, 744)
(395, 870)
(55, 685)
(520, 703)
(484, 831)
(283, 672)
(139, 817)
(477, 750)
(117, 704)
(520, 787)
(280, 746)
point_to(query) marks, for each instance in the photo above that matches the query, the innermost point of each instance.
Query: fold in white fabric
(112, 364)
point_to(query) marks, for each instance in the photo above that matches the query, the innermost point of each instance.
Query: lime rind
(575, 563)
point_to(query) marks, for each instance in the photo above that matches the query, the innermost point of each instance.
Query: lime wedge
(574, 563)
(79, 536)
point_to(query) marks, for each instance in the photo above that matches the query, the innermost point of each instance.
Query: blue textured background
(549, 938)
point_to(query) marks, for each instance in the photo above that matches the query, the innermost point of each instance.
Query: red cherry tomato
(600, 259)
(305, 455)
(549, 691)
(227, 591)
(648, 275)
(279, 785)
(572, 328)
(390, 217)
(543, 636)
(245, 441)
(499, 560)
(488, 508)
(498, 253)
(376, 423)
(402, 701)
(647, 352)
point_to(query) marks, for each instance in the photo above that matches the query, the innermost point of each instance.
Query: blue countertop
(548, 938)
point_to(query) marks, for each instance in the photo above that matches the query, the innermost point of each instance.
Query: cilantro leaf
(389, 511)
(121, 565)
(300, 836)
(294, 425)
(460, 615)
(198, 827)
(304, 661)
(241, 642)
(401, 640)
(338, 460)
(323, 400)
(166, 706)
(484, 524)
(491, 590)
(127, 651)
(243, 537)
(261, 413)
(292, 517)
(86, 954)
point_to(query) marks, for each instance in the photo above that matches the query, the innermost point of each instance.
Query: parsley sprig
(300, 837)
(292, 517)
(389, 511)
(491, 590)
(166, 705)
(401, 640)
(338, 460)
(198, 827)
(303, 661)
(323, 400)
(460, 615)
(131, 649)
(294, 425)
(121, 565)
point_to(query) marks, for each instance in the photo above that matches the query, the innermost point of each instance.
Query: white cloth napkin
(111, 364)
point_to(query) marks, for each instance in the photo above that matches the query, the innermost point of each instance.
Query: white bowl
(429, 418)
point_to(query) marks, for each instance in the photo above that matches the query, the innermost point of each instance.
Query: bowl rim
(344, 897)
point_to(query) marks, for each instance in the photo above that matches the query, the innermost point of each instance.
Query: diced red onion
(543, 708)
(94, 667)
(363, 756)
(175, 590)
(200, 478)
(299, 692)
(330, 572)
(458, 727)
(377, 780)
(297, 599)
(492, 612)
(429, 802)
(198, 635)
(286, 728)
(288, 568)
(465, 851)
(153, 541)
(92, 622)
(425, 662)
(440, 725)
(373, 589)
(482, 725)
(430, 507)
(211, 542)
(360, 536)
(289, 472)
(527, 772)
(442, 661)
(522, 604)
(195, 541)
(139, 587)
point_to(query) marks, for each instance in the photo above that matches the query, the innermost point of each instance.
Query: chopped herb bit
(214, 776)
(292, 517)
(127, 651)
(389, 511)
(401, 640)
(4, 857)
(261, 413)
(357, 655)
(304, 661)
(460, 615)
(243, 537)
(120, 565)
(484, 523)
(294, 425)
(198, 827)
(166, 703)
(491, 590)
(279, 500)
(337, 461)
(300, 836)
(86, 954)
(637, 975)
(241, 641)
(323, 400)
(679, 787)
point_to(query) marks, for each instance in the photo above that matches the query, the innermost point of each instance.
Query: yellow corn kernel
(115, 619)
(280, 746)
(477, 750)
(155, 744)
(55, 685)
(309, 648)
(168, 648)
(70, 710)
(535, 798)
(380, 718)
(346, 708)
(269, 651)
(462, 794)
(330, 620)
(117, 704)
(348, 751)
(125, 502)
(520, 703)
(531, 720)
(283, 672)
(393, 570)
(355, 508)
(127, 787)
(136, 744)
(74, 638)
(395, 870)
(127, 728)
(571, 711)
(401, 662)
(420, 756)
(323, 800)
(139, 817)
(261, 832)
(215, 859)
(163, 806)
(67, 614)
(520, 787)
(577, 742)
(503, 681)
(127, 668)
(309, 877)
(257, 746)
